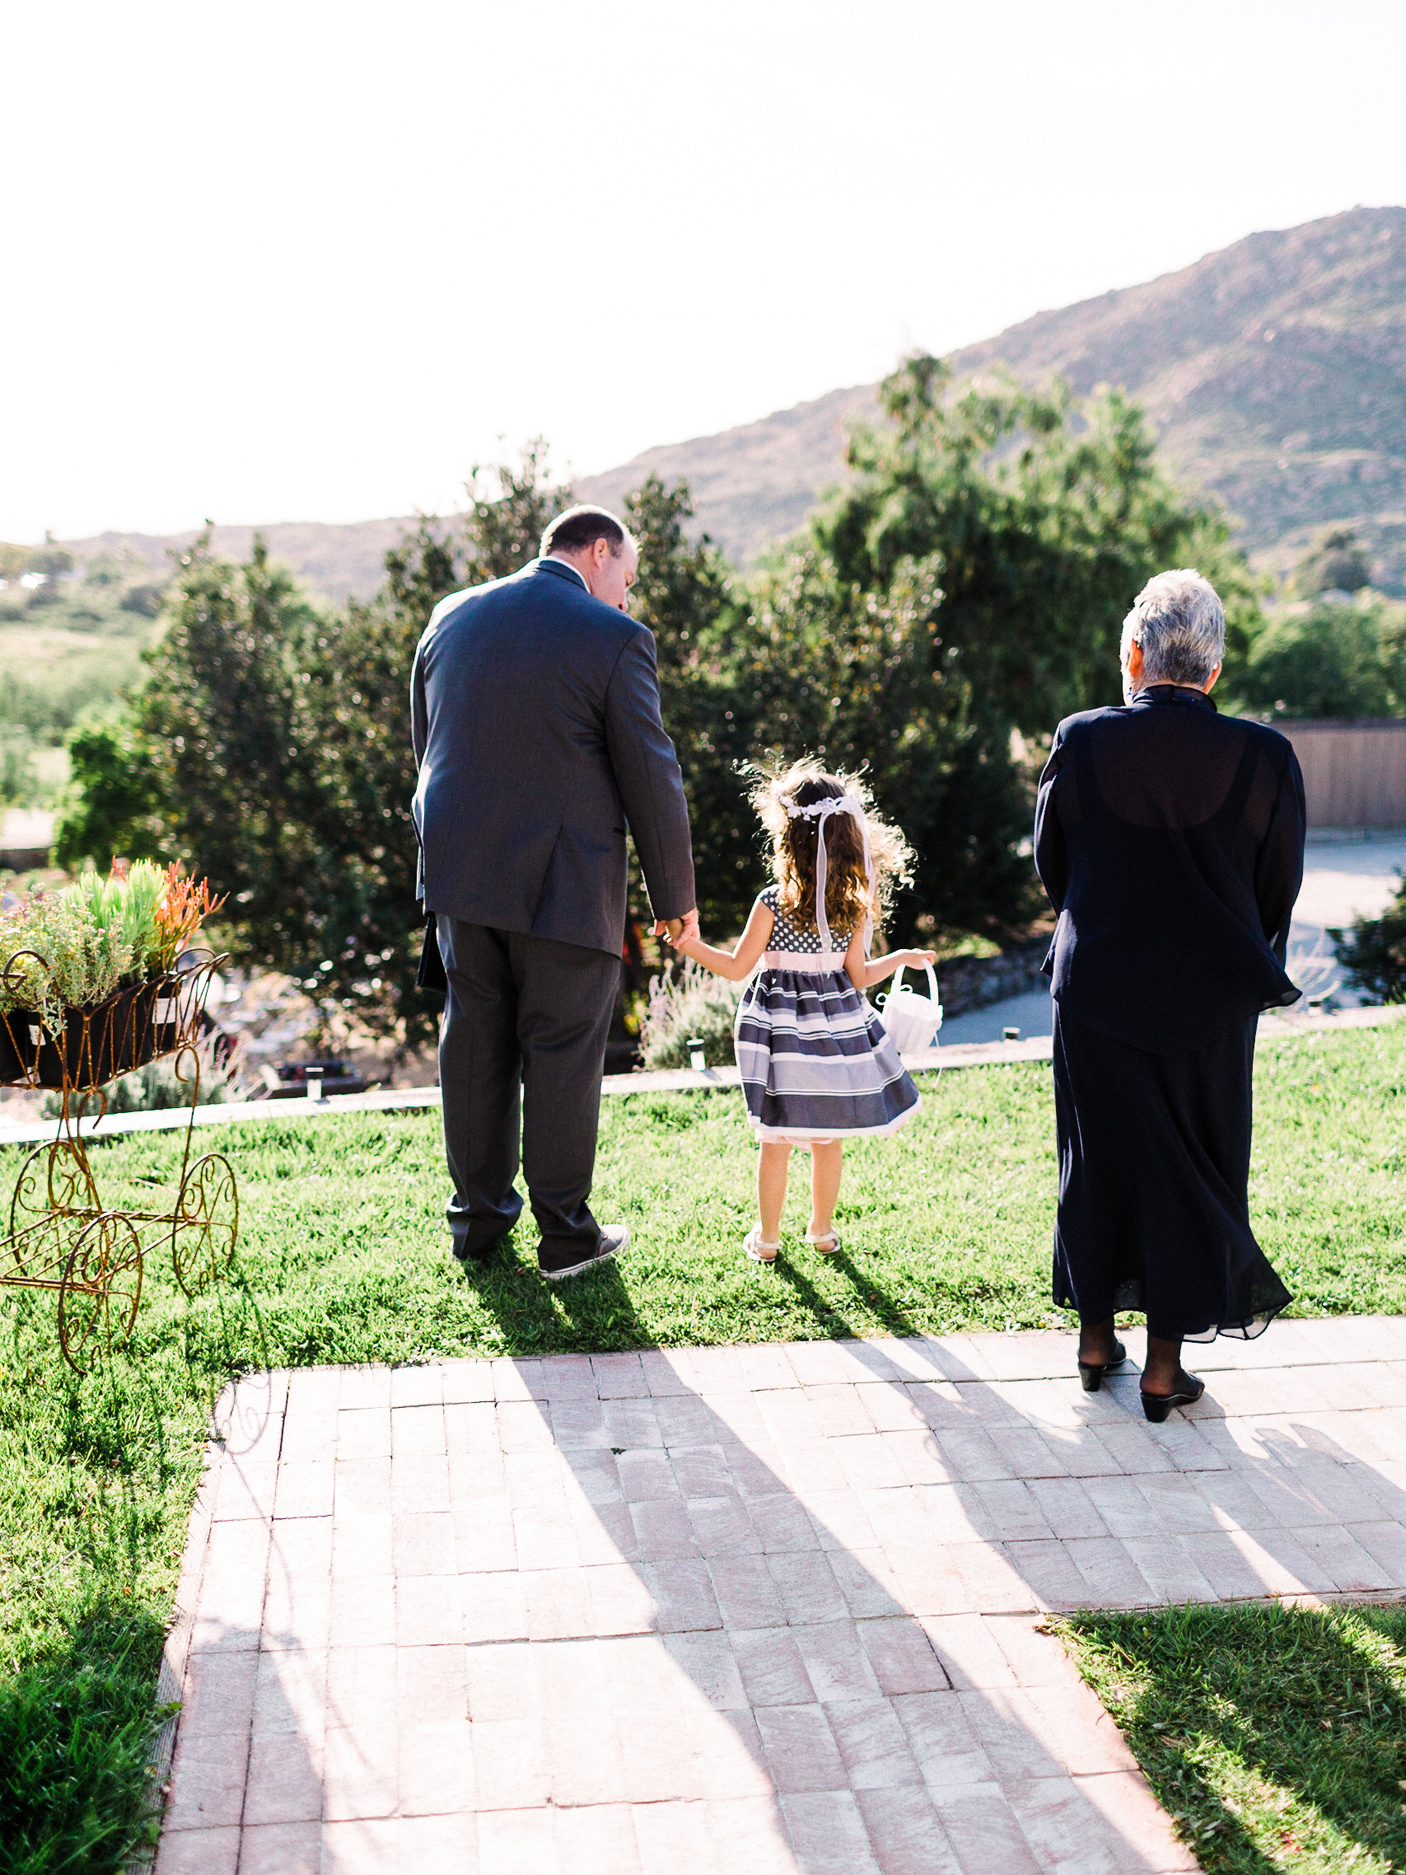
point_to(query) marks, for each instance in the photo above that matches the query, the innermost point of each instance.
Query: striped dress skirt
(816, 1062)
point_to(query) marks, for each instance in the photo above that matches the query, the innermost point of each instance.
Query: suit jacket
(1170, 840)
(535, 721)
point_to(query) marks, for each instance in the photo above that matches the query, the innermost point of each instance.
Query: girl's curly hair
(793, 845)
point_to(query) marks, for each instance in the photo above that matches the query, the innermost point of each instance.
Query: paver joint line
(775, 1607)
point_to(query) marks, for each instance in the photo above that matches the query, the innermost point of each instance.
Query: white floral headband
(820, 811)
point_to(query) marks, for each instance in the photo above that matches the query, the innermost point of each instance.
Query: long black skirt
(1154, 1169)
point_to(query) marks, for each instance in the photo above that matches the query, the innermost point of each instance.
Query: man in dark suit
(536, 727)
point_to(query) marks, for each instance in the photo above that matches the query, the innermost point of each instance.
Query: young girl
(818, 1067)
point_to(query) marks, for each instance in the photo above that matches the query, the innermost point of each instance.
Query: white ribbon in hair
(821, 811)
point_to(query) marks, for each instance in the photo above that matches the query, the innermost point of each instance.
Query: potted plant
(90, 977)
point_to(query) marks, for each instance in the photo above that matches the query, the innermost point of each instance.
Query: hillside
(1275, 371)
(335, 560)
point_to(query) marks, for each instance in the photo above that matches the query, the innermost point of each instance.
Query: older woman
(1170, 840)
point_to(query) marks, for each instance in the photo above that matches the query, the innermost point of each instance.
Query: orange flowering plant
(74, 948)
(183, 907)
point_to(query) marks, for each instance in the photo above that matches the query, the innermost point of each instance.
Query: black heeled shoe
(1091, 1373)
(1156, 1406)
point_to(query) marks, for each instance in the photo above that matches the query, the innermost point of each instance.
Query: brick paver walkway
(735, 1611)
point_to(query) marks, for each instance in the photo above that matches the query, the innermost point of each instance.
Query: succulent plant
(74, 948)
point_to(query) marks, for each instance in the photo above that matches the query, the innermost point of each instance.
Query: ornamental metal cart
(62, 1236)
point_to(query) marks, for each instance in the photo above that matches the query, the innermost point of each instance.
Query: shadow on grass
(76, 1732)
(594, 1310)
(597, 1311)
(601, 1306)
(1276, 1736)
(831, 1319)
(227, 1335)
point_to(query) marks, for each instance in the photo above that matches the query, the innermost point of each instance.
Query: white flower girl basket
(911, 1020)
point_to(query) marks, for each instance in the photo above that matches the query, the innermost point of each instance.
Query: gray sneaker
(613, 1238)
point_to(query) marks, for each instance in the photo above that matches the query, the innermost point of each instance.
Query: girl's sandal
(827, 1243)
(758, 1248)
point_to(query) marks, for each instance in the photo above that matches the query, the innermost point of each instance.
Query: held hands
(678, 930)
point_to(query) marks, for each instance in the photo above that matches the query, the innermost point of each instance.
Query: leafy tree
(508, 512)
(50, 559)
(1048, 515)
(144, 599)
(684, 595)
(1332, 659)
(864, 680)
(1337, 562)
(113, 803)
(225, 724)
(215, 763)
(16, 767)
(107, 569)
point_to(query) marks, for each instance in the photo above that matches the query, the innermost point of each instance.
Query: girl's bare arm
(734, 964)
(862, 970)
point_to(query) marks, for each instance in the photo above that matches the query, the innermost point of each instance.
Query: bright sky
(296, 260)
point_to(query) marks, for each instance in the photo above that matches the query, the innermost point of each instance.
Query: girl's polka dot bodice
(789, 936)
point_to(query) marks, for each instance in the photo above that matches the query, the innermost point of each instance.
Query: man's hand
(676, 928)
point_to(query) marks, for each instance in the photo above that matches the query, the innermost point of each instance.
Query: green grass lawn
(1273, 1735)
(343, 1258)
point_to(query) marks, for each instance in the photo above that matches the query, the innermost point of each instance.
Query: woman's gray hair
(1178, 622)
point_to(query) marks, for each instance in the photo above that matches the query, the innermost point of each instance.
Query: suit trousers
(523, 1035)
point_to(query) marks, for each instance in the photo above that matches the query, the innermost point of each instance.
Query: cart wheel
(54, 1184)
(100, 1290)
(205, 1223)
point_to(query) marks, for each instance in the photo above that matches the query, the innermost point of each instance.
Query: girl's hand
(917, 960)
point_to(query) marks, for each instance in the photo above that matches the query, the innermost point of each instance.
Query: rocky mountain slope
(1274, 370)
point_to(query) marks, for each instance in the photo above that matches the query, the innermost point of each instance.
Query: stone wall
(976, 982)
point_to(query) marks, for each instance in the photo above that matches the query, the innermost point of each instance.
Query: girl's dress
(816, 1062)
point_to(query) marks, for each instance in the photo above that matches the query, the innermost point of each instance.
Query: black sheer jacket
(1170, 840)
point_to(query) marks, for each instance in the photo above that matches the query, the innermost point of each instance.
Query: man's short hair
(1179, 623)
(582, 527)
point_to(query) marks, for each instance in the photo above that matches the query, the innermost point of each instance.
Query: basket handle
(897, 982)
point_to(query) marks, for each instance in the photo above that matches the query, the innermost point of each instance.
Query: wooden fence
(1354, 773)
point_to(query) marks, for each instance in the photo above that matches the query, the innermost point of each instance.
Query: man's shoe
(613, 1239)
